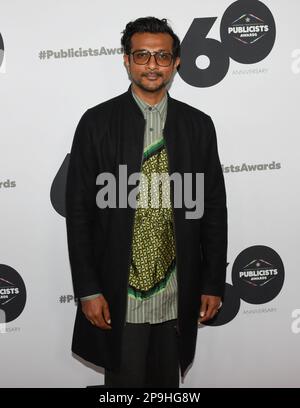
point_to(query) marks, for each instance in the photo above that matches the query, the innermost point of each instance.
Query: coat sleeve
(214, 221)
(80, 209)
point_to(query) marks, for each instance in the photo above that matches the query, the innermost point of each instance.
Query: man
(145, 276)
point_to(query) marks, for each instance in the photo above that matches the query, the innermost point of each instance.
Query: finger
(106, 313)
(210, 314)
(103, 319)
(210, 310)
(98, 320)
(203, 308)
(91, 319)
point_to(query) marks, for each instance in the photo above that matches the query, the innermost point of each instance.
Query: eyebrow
(145, 49)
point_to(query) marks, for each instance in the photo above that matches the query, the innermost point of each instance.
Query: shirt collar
(161, 106)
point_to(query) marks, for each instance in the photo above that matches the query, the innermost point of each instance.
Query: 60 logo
(247, 32)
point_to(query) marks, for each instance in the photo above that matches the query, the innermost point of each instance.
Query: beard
(148, 88)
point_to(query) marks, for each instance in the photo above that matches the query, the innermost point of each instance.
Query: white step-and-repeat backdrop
(241, 65)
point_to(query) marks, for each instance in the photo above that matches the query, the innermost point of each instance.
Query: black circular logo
(12, 293)
(229, 309)
(248, 31)
(258, 274)
(1, 50)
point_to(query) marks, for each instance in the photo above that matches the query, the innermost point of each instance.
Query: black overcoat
(99, 240)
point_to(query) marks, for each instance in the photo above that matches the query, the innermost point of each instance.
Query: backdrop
(241, 65)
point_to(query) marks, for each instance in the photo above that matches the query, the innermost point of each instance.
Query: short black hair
(149, 25)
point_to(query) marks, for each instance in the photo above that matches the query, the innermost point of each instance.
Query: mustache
(153, 72)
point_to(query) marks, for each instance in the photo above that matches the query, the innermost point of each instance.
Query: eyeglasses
(142, 57)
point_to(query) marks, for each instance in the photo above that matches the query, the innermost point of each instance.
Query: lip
(152, 76)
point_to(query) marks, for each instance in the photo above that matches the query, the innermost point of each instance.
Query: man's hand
(97, 312)
(209, 307)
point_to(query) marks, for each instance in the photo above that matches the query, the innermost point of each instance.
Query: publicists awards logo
(12, 294)
(247, 32)
(257, 278)
(248, 29)
(258, 274)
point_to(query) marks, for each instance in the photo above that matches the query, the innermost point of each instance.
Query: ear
(176, 63)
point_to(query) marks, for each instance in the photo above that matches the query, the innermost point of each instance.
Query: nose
(152, 62)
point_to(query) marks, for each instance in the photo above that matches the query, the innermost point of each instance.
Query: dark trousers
(149, 357)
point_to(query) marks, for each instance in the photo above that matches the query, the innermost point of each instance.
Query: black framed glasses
(142, 57)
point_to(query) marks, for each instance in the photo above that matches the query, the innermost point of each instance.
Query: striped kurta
(152, 290)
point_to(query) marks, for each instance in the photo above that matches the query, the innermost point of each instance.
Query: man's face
(150, 77)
